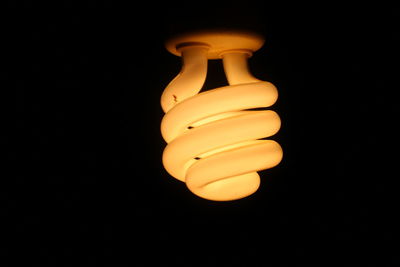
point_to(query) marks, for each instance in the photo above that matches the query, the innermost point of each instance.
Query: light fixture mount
(217, 41)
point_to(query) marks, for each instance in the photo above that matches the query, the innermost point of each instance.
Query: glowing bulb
(215, 141)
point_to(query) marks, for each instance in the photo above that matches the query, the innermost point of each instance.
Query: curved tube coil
(215, 141)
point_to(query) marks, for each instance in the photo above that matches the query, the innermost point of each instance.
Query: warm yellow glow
(214, 140)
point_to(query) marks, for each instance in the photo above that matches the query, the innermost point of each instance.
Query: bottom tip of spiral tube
(228, 189)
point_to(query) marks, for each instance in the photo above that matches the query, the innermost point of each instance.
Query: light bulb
(215, 141)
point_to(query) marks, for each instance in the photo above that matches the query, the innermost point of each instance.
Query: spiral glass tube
(215, 141)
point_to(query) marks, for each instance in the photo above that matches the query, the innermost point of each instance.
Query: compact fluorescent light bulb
(216, 142)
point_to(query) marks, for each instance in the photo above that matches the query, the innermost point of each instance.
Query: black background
(83, 181)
